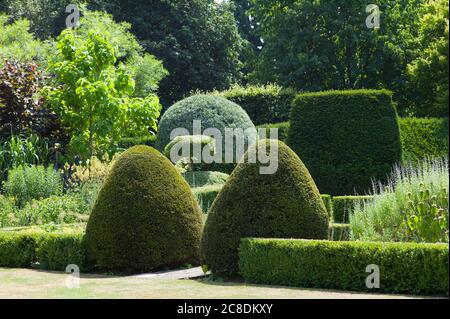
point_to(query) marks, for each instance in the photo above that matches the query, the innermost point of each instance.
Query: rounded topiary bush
(213, 112)
(145, 216)
(286, 204)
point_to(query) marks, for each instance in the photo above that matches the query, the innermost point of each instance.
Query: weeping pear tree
(94, 95)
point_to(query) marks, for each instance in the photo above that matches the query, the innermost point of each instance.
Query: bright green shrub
(339, 232)
(145, 216)
(213, 112)
(413, 206)
(206, 195)
(404, 267)
(343, 207)
(346, 138)
(284, 204)
(35, 182)
(423, 138)
(205, 178)
(264, 104)
(283, 130)
(327, 201)
(16, 250)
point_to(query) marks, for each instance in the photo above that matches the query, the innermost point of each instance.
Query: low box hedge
(404, 267)
(328, 202)
(50, 251)
(283, 130)
(343, 207)
(206, 195)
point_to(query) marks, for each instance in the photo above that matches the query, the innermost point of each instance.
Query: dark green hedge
(283, 130)
(422, 137)
(264, 104)
(343, 207)
(346, 138)
(51, 251)
(404, 267)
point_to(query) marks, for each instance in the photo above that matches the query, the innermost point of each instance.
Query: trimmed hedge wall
(422, 137)
(264, 104)
(346, 138)
(343, 207)
(404, 267)
(283, 130)
(51, 251)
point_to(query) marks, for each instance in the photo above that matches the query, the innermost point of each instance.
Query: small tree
(94, 96)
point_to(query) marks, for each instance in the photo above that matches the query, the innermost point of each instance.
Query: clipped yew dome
(286, 204)
(145, 216)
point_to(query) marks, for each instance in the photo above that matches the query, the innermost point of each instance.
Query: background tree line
(304, 44)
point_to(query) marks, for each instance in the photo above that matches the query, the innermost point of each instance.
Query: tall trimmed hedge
(424, 137)
(264, 104)
(145, 216)
(285, 204)
(404, 267)
(346, 138)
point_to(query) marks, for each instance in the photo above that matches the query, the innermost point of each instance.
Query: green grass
(27, 283)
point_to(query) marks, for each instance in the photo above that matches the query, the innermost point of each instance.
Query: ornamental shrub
(285, 204)
(213, 112)
(346, 138)
(145, 216)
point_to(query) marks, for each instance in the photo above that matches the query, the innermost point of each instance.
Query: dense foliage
(404, 267)
(285, 204)
(429, 71)
(94, 98)
(346, 138)
(145, 217)
(424, 138)
(197, 40)
(18, 43)
(413, 206)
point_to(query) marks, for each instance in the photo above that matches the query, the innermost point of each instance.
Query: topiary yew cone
(286, 204)
(145, 216)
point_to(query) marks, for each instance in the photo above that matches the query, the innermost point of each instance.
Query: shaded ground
(27, 283)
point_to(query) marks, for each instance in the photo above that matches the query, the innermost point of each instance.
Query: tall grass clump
(412, 207)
